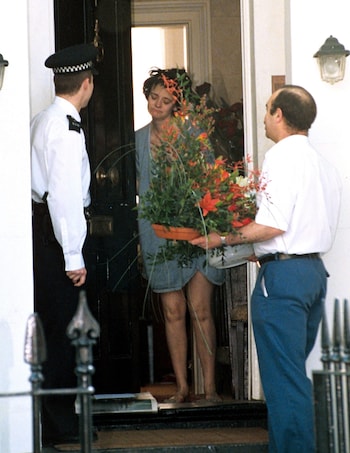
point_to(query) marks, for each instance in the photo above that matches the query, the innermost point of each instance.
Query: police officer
(60, 192)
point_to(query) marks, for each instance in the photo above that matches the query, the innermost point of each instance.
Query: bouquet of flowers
(190, 186)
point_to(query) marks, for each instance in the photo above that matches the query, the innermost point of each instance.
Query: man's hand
(211, 241)
(253, 232)
(77, 277)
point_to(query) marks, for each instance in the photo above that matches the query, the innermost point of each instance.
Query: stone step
(197, 440)
(230, 426)
(189, 415)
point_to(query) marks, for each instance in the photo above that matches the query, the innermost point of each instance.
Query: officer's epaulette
(74, 125)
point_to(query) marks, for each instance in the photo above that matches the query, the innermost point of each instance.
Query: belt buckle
(282, 256)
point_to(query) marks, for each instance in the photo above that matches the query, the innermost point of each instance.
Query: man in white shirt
(60, 192)
(295, 224)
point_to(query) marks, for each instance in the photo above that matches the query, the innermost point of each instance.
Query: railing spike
(83, 323)
(34, 343)
(325, 342)
(83, 331)
(338, 395)
(336, 332)
(346, 349)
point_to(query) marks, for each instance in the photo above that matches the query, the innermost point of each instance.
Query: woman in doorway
(190, 286)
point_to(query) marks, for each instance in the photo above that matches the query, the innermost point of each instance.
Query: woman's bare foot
(213, 398)
(179, 397)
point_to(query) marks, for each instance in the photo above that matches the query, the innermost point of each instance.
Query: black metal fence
(332, 384)
(83, 331)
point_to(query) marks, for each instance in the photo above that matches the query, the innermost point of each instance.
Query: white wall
(269, 60)
(15, 228)
(312, 22)
(16, 287)
(286, 36)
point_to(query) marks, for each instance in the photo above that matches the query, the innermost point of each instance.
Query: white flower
(242, 181)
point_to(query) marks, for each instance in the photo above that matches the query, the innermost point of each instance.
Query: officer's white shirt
(301, 197)
(60, 167)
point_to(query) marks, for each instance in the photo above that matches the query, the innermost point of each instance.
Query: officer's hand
(77, 277)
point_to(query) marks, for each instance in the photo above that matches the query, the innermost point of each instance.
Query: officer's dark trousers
(55, 300)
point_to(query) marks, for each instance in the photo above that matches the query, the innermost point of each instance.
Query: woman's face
(160, 103)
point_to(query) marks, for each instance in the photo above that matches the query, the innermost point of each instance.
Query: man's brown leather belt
(285, 256)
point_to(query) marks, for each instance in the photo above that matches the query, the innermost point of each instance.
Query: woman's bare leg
(199, 297)
(174, 307)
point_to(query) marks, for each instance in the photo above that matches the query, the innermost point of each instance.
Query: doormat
(121, 403)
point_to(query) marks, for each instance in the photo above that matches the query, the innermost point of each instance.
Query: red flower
(240, 223)
(208, 204)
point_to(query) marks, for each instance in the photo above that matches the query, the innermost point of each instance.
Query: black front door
(111, 248)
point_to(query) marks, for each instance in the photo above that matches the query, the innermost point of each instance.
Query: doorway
(116, 300)
(154, 23)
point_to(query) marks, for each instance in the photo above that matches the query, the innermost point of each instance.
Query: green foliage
(189, 186)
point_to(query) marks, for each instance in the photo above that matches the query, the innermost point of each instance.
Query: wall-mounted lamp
(3, 64)
(331, 59)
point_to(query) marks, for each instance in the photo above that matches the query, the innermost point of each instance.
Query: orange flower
(219, 162)
(172, 87)
(208, 204)
(240, 223)
(224, 175)
(203, 136)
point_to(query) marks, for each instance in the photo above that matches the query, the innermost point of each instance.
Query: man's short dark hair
(70, 83)
(297, 105)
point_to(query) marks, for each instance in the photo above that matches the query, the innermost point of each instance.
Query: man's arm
(253, 232)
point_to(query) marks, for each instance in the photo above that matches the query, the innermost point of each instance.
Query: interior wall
(226, 50)
(154, 47)
(195, 14)
(225, 57)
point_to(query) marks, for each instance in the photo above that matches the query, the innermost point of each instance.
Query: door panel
(111, 246)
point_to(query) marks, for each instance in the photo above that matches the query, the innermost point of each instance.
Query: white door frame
(250, 143)
(195, 14)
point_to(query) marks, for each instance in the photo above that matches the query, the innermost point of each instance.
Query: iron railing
(83, 330)
(332, 385)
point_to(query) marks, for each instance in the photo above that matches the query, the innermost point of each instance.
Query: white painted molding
(250, 143)
(195, 15)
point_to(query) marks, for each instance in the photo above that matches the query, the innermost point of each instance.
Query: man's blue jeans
(287, 307)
